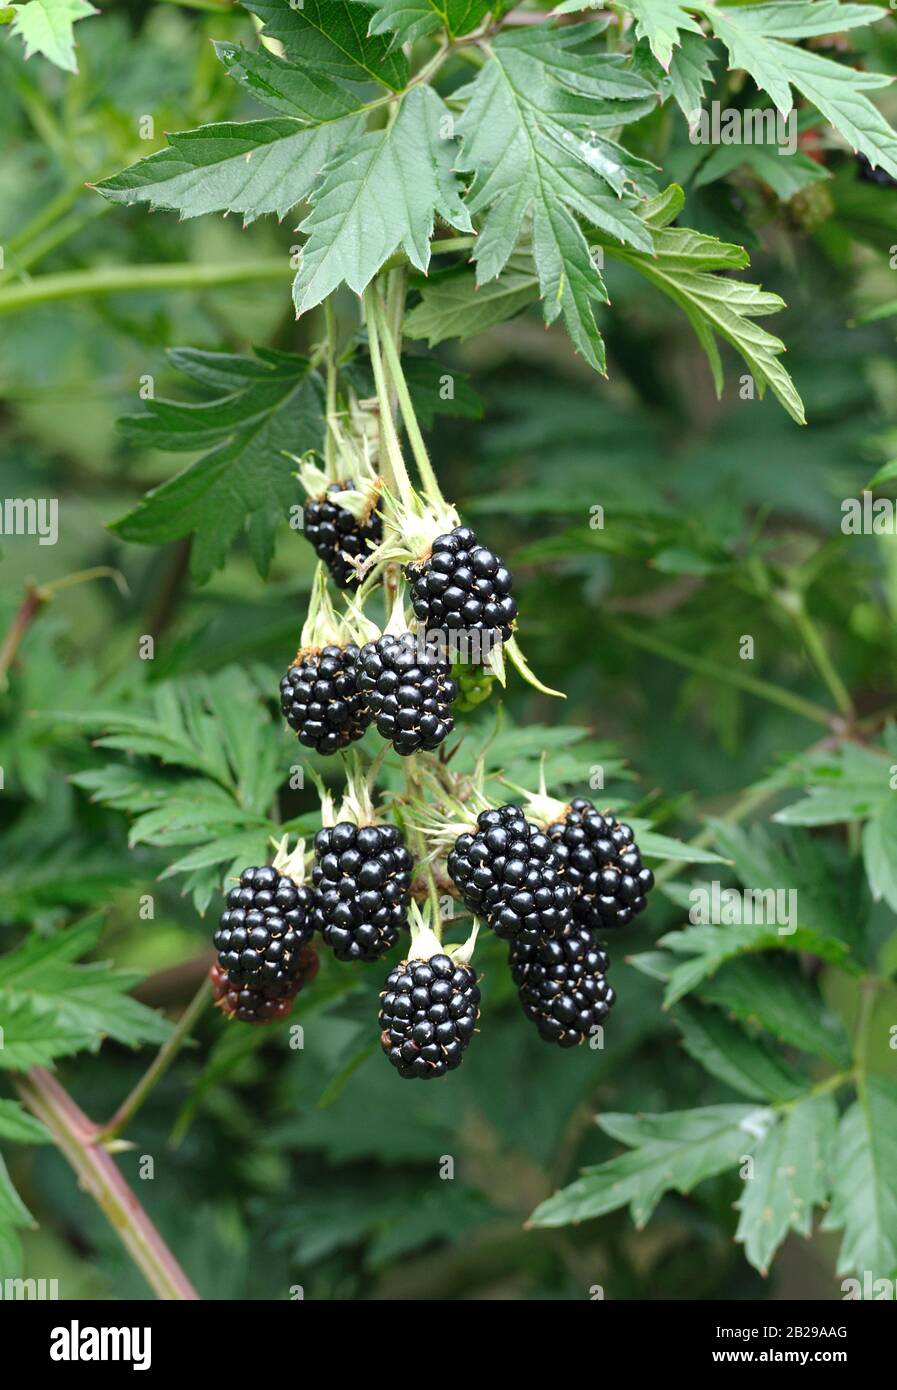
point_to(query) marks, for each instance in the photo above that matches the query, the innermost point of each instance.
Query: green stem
(74, 1135)
(415, 438)
(793, 604)
(330, 359)
(59, 232)
(79, 284)
(393, 451)
(157, 1069)
(749, 800)
(702, 666)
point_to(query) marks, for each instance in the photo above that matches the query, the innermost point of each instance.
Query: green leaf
(754, 34)
(682, 268)
(457, 307)
(381, 193)
(17, 1125)
(246, 480)
(791, 1175)
(331, 37)
(655, 846)
(662, 23)
(786, 174)
(250, 167)
(13, 1213)
(880, 854)
(47, 27)
(35, 1037)
(412, 19)
(671, 1152)
(292, 89)
(532, 135)
(749, 1065)
(689, 72)
(864, 1199)
(775, 995)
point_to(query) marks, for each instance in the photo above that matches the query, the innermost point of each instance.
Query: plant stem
(28, 610)
(393, 451)
(702, 666)
(79, 284)
(157, 1069)
(75, 1136)
(415, 438)
(330, 359)
(793, 604)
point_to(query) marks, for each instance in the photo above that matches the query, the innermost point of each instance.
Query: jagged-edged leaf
(17, 1125)
(250, 167)
(293, 89)
(684, 267)
(755, 38)
(748, 1064)
(457, 307)
(706, 948)
(880, 854)
(331, 36)
(47, 27)
(672, 1152)
(34, 1037)
(786, 174)
(532, 135)
(864, 1198)
(791, 1175)
(663, 23)
(381, 193)
(689, 72)
(412, 19)
(245, 481)
(14, 1215)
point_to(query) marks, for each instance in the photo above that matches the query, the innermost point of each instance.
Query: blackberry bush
(562, 985)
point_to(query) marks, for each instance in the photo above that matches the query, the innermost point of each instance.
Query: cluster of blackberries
(461, 584)
(428, 1013)
(602, 864)
(362, 880)
(337, 536)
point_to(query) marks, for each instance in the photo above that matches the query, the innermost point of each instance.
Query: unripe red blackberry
(461, 584)
(362, 878)
(268, 919)
(562, 985)
(320, 699)
(336, 533)
(409, 691)
(428, 1013)
(507, 874)
(602, 864)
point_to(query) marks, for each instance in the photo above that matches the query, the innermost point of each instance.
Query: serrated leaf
(246, 480)
(656, 846)
(689, 72)
(249, 167)
(786, 174)
(13, 1211)
(331, 36)
(671, 1152)
(531, 134)
(880, 854)
(864, 1197)
(35, 1037)
(775, 995)
(409, 20)
(47, 27)
(292, 89)
(17, 1125)
(381, 192)
(662, 23)
(457, 307)
(749, 1065)
(791, 1175)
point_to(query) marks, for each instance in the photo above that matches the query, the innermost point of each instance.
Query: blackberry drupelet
(562, 985)
(602, 864)
(362, 878)
(259, 939)
(428, 1013)
(461, 584)
(507, 873)
(409, 692)
(320, 699)
(335, 533)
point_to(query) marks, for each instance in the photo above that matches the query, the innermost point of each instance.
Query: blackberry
(602, 864)
(874, 175)
(335, 533)
(461, 584)
(362, 877)
(409, 692)
(320, 699)
(507, 874)
(253, 1005)
(259, 940)
(562, 985)
(428, 1013)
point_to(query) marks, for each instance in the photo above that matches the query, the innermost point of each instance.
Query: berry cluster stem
(393, 451)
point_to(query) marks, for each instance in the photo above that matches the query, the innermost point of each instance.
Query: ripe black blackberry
(320, 699)
(254, 1005)
(428, 1013)
(362, 878)
(602, 864)
(871, 174)
(409, 691)
(335, 533)
(507, 873)
(461, 584)
(562, 985)
(259, 940)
